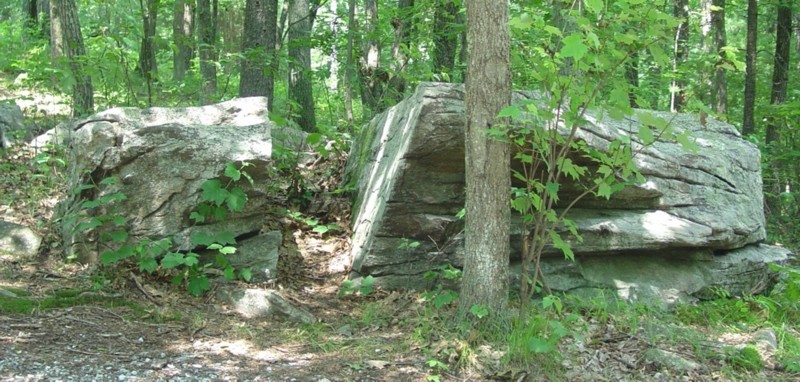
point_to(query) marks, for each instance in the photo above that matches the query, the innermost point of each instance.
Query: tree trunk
(300, 85)
(396, 87)
(258, 49)
(208, 50)
(182, 27)
(31, 12)
(56, 35)
(349, 65)
(706, 76)
(445, 39)
(371, 75)
(748, 120)
(488, 90)
(333, 59)
(44, 11)
(780, 72)
(681, 53)
(147, 54)
(720, 82)
(72, 44)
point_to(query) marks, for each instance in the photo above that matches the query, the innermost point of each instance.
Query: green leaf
(604, 190)
(595, 6)
(658, 54)
(558, 243)
(574, 47)
(191, 259)
(227, 250)
(225, 238)
(313, 138)
(236, 199)
(88, 204)
(445, 298)
(232, 172)
(197, 285)
(197, 217)
(203, 239)
(119, 220)
(512, 112)
(646, 135)
(148, 264)
(213, 191)
(218, 213)
(552, 190)
(320, 229)
(110, 257)
(246, 274)
(173, 260)
(159, 247)
(229, 273)
(119, 236)
(552, 30)
(479, 310)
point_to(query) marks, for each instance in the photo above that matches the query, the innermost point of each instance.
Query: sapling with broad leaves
(577, 61)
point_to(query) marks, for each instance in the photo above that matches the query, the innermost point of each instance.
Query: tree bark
(445, 38)
(349, 68)
(44, 11)
(402, 25)
(371, 76)
(148, 67)
(182, 27)
(748, 119)
(31, 12)
(56, 35)
(208, 50)
(66, 11)
(780, 72)
(300, 85)
(720, 82)
(681, 53)
(258, 49)
(488, 90)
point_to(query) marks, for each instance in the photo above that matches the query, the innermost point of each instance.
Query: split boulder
(703, 207)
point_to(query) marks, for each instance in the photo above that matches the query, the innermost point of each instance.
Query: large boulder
(161, 156)
(11, 123)
(408, 170)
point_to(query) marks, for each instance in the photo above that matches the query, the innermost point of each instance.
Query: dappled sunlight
(663, 226)
(241, 348)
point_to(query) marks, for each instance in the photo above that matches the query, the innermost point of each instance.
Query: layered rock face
(161, 157)
(694, 213)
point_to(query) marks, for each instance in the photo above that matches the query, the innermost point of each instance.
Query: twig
(141, 289)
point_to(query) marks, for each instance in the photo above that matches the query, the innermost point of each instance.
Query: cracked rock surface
(408, 170)
(161, 157)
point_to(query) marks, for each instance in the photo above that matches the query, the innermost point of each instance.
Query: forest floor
(64, 321)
